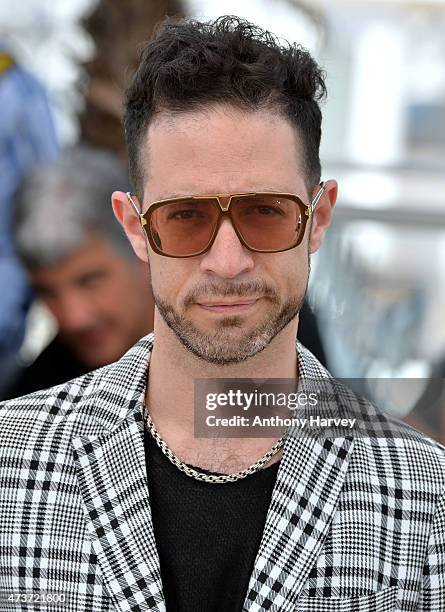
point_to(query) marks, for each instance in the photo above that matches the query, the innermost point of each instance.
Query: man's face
(230, 303)
(99, 299)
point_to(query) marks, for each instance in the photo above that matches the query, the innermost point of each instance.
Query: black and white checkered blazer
(354, 524)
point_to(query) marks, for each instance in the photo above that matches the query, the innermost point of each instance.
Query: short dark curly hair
(190, 64)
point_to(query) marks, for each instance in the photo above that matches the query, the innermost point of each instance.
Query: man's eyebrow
(188, 194)
(88, 275)
(170, 196)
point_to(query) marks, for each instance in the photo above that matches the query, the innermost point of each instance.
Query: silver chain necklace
(213, 478)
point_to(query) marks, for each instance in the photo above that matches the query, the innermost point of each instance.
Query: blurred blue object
(27, 137)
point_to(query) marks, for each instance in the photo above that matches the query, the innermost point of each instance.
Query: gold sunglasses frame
(305, 209)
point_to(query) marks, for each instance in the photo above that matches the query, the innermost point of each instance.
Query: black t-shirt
(207, 535)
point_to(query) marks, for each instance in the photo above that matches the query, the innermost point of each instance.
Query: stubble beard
(221, 346)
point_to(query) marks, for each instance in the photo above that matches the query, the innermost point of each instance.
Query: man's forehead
(95, 248)
(222, 150)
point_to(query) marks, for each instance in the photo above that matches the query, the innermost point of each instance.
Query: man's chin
(230, 327)
(231, 342)
(221, 353)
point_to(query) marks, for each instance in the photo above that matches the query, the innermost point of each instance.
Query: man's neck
(170, 397)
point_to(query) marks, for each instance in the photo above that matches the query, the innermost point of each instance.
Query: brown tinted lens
(267, 222)
(184, 227)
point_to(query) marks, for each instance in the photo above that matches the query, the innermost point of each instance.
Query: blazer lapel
(112, 477)
(303, 504)
(302, 507)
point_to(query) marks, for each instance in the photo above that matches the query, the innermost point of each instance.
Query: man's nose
(227, 257)
(73, 312)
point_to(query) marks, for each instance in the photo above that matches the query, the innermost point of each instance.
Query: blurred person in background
(27, 136)
(81, 267)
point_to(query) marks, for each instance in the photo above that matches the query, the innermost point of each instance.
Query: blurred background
(378, 283)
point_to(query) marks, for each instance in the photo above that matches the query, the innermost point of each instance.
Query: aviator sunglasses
(264, 222)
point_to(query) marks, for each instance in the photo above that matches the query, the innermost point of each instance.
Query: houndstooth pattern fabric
(354, 524)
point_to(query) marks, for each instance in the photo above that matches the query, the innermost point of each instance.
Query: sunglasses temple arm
(317, 197)
(130, 199)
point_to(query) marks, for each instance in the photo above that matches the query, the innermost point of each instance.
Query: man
(223, 130)
(81, 267)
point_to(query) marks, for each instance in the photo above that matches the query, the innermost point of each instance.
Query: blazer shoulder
(91, 404)
(404, 454)
(383, 443)
(44, 408)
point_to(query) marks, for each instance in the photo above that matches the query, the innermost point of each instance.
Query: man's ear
(128, 218)
(322, 215)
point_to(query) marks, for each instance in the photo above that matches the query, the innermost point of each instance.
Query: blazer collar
(110, 465)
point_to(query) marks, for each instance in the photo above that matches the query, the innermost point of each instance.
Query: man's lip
(228, 307)
(239, 302)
